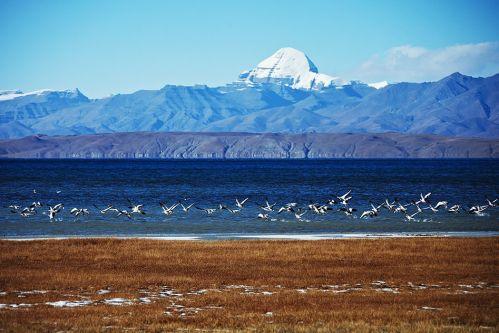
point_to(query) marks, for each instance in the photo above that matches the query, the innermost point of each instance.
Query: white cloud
(417, 64)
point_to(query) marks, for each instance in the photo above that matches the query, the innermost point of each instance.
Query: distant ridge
(184, 145)
(283, 93)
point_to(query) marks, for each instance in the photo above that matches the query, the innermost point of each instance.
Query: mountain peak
(458, 78)
(455, 76)
(291, 59)
(291, 67)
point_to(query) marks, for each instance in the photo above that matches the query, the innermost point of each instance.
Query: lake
(209, 183)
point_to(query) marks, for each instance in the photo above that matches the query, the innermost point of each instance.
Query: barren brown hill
(248, 145)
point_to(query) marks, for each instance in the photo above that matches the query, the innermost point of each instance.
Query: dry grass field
(363, 285)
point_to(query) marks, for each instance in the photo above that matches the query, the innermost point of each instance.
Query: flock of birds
(339, 203)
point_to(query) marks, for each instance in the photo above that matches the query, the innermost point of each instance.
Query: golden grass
(336, 278)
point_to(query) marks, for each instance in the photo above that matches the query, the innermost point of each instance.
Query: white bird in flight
(423, 198)
(268, 207)
(186, 208)
(79, 211)
(168, 210)
(344, 199)
(136, 209)
(240, 204)
(53, 211)
(410, 218)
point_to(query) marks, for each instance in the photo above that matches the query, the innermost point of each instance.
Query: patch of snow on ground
(117, 301)
(69, 304)
(103, 291)
(15, 306)
(429, 308)
(169, 293)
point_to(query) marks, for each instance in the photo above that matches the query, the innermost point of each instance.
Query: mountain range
(284, 93)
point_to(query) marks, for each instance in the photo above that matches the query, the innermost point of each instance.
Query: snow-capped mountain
(284, 93)
(6, 95)
(19, 111)
(291, 67)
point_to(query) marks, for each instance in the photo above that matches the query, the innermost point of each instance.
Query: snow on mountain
(12, 94)
(19, 111)
(290, 67)
(378, 85)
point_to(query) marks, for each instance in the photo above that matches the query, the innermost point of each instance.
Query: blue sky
(105, 47)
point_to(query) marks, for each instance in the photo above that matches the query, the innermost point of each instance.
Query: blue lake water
(84, 183)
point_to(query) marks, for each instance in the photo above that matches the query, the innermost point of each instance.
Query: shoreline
(263, 237)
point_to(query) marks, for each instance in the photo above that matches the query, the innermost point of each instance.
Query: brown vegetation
(413, 284)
